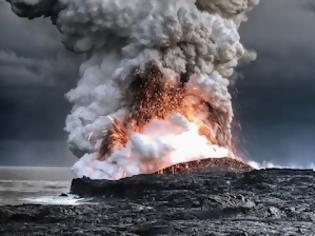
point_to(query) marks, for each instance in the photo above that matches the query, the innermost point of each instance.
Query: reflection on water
(58, 200)
(15, 191)
(36, 186)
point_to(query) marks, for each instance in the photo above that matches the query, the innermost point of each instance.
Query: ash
(264, 202)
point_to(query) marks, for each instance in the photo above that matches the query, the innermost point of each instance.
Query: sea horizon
(36, 173)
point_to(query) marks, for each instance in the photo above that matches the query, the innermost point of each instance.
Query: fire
(115, 138)
(161, 144)
(189, 140)
(164, 126)
(155, 97)
(176, 110)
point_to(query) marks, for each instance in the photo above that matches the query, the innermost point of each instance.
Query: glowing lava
(154, 88)
(163, 143)
(162, 127)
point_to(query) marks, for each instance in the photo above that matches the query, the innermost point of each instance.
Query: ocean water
(36, 185)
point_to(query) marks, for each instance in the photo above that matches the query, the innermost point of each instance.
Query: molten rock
(209, 165)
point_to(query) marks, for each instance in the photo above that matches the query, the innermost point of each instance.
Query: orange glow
(155, 98)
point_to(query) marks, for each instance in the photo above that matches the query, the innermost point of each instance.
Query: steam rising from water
(162, 143)
(192, 41)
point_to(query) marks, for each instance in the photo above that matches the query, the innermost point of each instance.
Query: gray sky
(274, 97)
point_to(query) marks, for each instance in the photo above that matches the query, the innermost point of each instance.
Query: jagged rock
(264, 202)
(211, 165)
(274, 212)
(184, 177)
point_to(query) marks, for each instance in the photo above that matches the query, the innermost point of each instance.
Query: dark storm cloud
(275, 100)
(33, 38)
(31, 52)
(29, 70)
(275, 103)
(282, 32)
(35, 73)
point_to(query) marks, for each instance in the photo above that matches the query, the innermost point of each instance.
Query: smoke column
(153, 90)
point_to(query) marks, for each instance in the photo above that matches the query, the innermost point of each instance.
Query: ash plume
(152, 67)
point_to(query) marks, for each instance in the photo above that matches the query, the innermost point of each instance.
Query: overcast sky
(274, 97)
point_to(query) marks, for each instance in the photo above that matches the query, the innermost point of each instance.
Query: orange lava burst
(115, 138)
(154, 96)
(227, 164)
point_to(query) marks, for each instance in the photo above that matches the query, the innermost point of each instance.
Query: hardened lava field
(263, 202)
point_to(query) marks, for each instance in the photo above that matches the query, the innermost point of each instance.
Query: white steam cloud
(180, 36)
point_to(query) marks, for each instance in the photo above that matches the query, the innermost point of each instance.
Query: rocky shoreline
(264, 202)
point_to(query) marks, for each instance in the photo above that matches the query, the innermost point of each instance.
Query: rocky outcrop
(224, 165)
(264, 202)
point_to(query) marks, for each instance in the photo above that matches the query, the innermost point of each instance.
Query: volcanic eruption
(153, 91)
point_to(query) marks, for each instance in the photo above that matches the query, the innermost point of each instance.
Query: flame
(153, 96)
(160, 145)
(163, 126)
(189, 140)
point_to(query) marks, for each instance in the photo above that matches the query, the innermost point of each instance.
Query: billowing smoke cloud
(190, 44)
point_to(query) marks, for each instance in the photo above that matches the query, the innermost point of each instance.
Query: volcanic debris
(260, 202)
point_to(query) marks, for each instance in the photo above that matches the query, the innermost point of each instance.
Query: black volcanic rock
(260, 202)
(137, 186)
